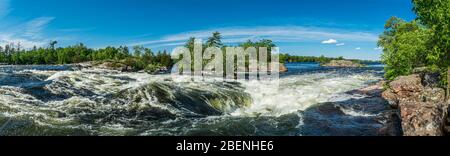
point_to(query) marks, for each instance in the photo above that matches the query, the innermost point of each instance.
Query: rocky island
(342, 63)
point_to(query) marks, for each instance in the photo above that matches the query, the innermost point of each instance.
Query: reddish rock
(283, 68)
(390, 96)
(411, 83)
(422, 119)
(423, 109)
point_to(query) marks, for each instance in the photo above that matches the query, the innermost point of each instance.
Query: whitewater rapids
(60, 100)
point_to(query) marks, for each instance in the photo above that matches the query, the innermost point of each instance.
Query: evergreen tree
(215, 40)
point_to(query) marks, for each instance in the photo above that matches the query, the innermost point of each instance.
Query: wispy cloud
(28, 34)
(76, 29)
(330, 41)
(34, 27)
(276, 33)
(25, 43)
(340, 44)
(358, 48)
(378, 48)
(4, 8)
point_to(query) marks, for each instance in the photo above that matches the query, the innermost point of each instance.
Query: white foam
(301, 92)
(355, 113)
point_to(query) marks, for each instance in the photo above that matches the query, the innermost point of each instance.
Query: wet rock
(366, 116)
(342, 63)
(83, 65)
(431, 79)
(392, 124)
(422, 118)
(373, 90)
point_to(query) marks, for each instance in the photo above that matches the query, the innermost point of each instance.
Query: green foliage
(138, 50)
(264, 43)
(151, 68)
(435, 14)
(143, 57)
(215, 40)
(405, 47)
(286, 58)
(424, 42)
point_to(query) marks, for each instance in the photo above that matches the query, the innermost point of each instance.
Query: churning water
(61, 100)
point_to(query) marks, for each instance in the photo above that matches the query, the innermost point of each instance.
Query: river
(62, 100)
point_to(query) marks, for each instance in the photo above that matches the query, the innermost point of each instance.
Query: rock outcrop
(283, 68)
(367, 115)
(422, 105)
(422, 118)
(116, 66)
(342, 63)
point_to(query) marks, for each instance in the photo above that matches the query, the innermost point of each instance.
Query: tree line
(139, 57)
(287, 58)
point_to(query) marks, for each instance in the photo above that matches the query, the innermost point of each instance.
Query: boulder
(411, 88)
(404, 88)
(392, 124)
(116, 66)
(391, 97)
(421, 104)
(83, 65)
(422, 118)
(374, 90)
(283, 68)
(411, 83)
(431, 79)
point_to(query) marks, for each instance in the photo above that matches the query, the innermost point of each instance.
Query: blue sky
(348, 28)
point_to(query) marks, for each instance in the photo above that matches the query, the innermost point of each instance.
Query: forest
(139, 57)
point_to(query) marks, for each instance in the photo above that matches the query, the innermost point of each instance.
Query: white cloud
(28, 34)
(76, 29)
(25, 43)
(378, 48)
(330, 41)
(340, 44)
(34, 27)
(358, 48)
(276, 33)
(4, 8)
